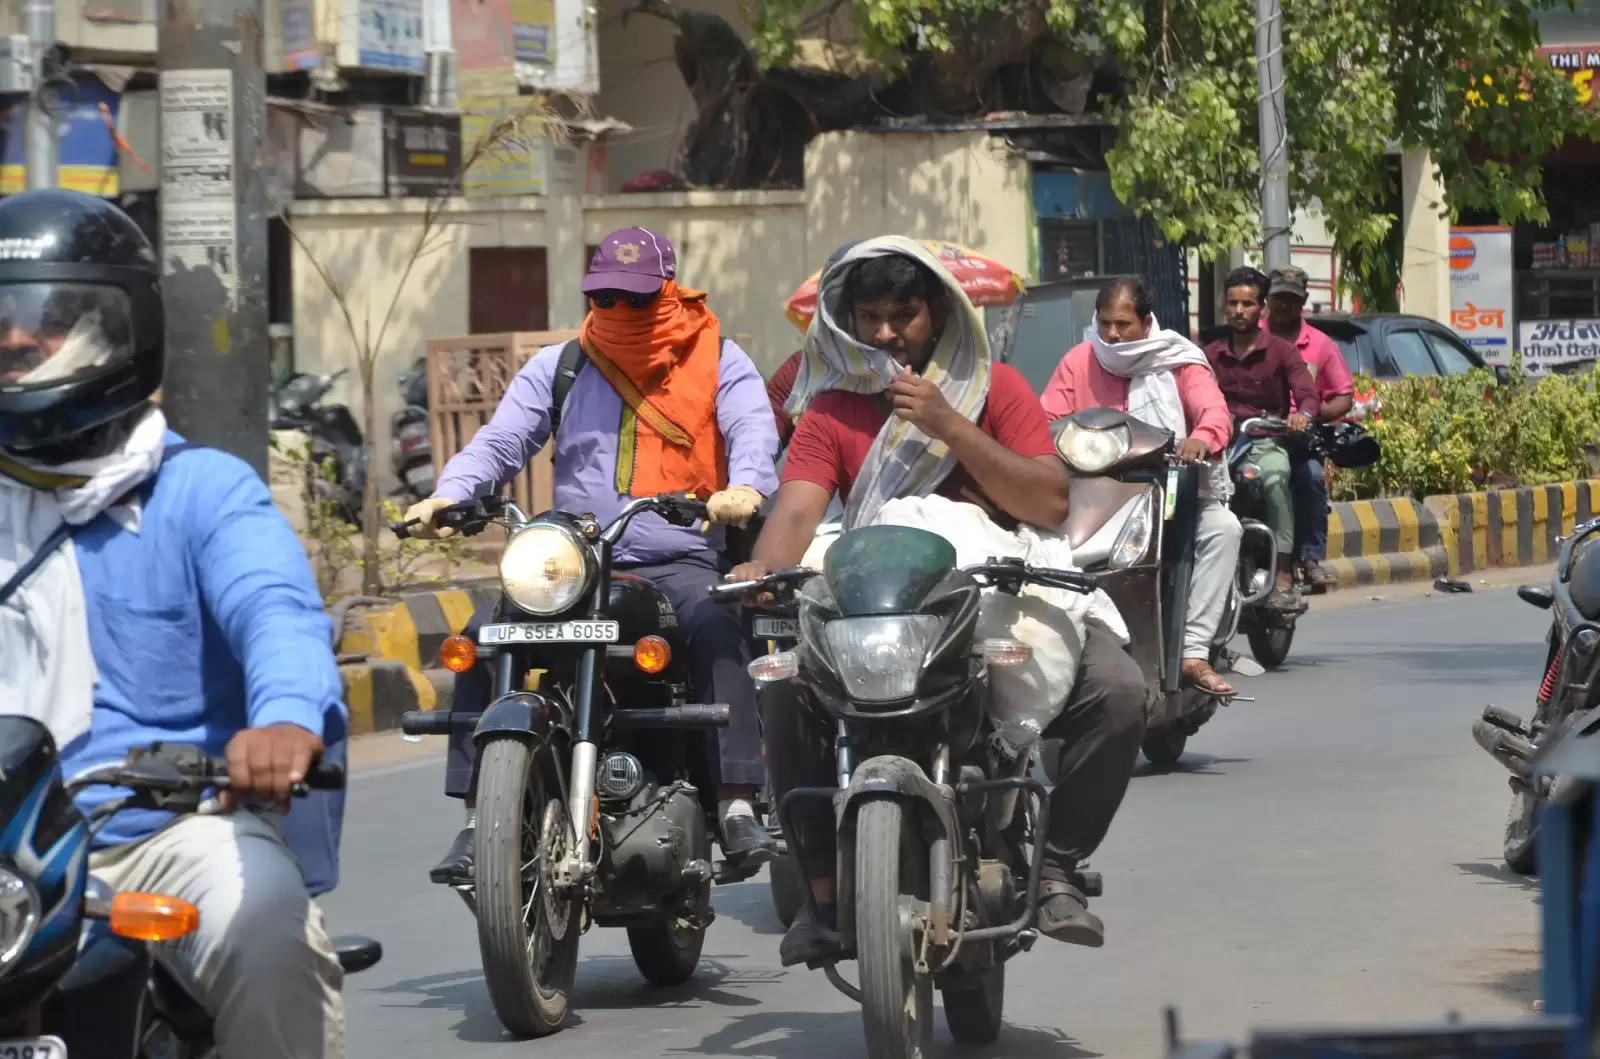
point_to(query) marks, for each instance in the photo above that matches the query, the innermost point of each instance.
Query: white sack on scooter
(1027, 697)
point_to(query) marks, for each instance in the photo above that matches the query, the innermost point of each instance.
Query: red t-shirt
(778, 389)
(833, 438)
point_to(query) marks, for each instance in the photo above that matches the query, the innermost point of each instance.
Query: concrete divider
(1400, 539)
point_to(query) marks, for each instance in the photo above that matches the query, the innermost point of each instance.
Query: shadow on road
(804, 1035)
(1452, 664)
(750, 903)
(1190, 764)
(1499, 873)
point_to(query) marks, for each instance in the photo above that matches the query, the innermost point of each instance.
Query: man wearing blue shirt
(161, 597)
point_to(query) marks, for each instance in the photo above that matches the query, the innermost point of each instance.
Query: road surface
(1327, 853)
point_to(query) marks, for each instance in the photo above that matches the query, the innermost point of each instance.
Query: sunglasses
(607, 299)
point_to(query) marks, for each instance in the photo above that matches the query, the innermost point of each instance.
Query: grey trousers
(1216, 557)
(719, 651)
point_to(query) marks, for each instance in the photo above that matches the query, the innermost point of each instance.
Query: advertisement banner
(424, 153)
(481, 33)
(390, 36)
(1482, 289)
(508, 168)
(1578, 65)
(300, 51)
(1547, 343)
(534, 30)
(86, 157)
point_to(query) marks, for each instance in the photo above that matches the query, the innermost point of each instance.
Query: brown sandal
(1198, 674)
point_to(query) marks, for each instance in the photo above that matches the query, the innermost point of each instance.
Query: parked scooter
(413, 443)
(1132, 523)
(596, 803)
(940, 830)
(109, 998)
(1570, 688)
(297, 405)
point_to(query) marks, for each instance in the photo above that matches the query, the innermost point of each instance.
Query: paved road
(1327, 853)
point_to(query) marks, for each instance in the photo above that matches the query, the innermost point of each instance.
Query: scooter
(1132, 524)
(335, 438)
(413, 443)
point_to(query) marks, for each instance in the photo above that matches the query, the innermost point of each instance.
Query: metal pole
(214, 224)
(39, 139)
(1274, 136)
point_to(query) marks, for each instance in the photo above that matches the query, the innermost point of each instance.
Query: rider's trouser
(719, 652)
(1276, 494)
(1216, 556)
(260, 962)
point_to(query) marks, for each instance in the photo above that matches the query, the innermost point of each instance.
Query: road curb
(1400, 539)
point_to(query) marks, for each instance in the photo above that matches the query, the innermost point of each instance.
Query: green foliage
(1458, 77)
(1462, 433)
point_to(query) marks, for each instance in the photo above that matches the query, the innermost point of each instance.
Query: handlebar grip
(402, 530)
(425, 722)
(733, 590)
(326, 777)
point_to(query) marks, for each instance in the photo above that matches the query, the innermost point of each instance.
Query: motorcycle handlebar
(735, 590)
(177, 768)
(1013, 573)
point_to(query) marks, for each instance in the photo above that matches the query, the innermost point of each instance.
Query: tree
(1458, 77)
(515, 131)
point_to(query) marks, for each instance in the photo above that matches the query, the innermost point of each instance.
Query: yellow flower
(1488, 80)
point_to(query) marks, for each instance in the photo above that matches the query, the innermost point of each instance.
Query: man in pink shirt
(1133, 365)
(1286, 299)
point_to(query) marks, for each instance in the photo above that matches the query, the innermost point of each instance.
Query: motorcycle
(76, 969)
(1568, 695)
(1132, 524)
(595, 798)
(1270, 630)
(941, 831)
(336, 441)
(413, 442)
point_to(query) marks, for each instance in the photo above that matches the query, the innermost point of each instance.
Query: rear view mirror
(1502, 373)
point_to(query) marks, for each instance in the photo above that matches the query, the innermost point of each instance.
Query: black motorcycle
(338, 452)
(1568, 696)
(104, 996)
(595, 795)
(940, 829)
(1268, 628)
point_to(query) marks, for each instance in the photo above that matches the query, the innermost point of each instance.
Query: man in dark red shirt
(1005, 461)
(1262, 375)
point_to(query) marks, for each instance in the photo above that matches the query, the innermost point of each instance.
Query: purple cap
(636, 260)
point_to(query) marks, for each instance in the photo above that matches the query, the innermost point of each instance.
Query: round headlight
(19, 917)
(545, 569)
(1092, 451)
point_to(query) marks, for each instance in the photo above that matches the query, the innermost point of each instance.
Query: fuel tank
(641, 609)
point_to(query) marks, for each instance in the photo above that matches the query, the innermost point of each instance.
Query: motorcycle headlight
(19, 917)
(545, 569)
(880, 658)
(1134, 540)
(1092, 451)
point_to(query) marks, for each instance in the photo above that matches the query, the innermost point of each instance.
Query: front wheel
(1270, 645)
(668, 952)
(896, 1003)
(527, 931)
(1522, 833)
(1163, 746)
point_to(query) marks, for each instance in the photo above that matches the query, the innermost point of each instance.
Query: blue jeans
(1310, 508)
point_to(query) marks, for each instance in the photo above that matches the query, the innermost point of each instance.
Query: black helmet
(80, 316)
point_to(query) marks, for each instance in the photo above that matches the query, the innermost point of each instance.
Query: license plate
(777, 629)
(33, 1048)
(546, 632)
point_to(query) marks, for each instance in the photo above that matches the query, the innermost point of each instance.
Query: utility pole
(39, 139)
(214, 224)
(1274, 135)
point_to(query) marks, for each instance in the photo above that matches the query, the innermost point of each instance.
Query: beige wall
(1425, 266)
(749, 249)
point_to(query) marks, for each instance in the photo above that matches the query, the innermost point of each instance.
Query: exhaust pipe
(1511, 750)
(1504, 718)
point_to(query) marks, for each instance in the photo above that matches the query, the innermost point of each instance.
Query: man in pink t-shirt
(1286, 299)
(1087, 377)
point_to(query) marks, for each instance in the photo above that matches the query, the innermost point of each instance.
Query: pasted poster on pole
(197, 187)
(1481, 290)
(390, 36)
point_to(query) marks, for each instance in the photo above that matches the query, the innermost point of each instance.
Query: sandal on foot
(1198, 674)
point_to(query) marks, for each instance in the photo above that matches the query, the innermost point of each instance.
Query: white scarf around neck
(47, 668)
(1150, 365)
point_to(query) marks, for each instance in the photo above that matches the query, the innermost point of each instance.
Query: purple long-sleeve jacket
(586, 449)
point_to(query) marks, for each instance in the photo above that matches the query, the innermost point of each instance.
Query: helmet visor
(57, 333)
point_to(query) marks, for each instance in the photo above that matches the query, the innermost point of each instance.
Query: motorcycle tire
(1270, 646)
(788, 887)
(1163, 746)
(667, 953)
(1522, 834)
(974, 1010)
(896, 1004)
(518, 822)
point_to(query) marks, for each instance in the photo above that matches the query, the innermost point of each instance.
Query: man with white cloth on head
(1132, 364)
(902, 407)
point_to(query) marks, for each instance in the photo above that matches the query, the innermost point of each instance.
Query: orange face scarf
(663, 360)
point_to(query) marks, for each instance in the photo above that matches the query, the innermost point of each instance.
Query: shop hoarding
(1482, 290)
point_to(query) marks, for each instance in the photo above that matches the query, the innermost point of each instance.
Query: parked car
(1389, 346)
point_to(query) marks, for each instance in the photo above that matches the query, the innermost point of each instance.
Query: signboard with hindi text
(1481, 290)
(1547, 343)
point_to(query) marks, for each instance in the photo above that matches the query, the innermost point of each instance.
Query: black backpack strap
(568, 365)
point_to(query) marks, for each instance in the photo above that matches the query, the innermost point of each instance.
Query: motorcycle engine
(652, 845)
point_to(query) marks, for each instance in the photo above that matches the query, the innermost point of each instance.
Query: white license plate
(33, 1048)
(777, 629)
(547, 632)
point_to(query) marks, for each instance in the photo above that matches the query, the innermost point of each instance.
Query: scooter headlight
(545, 569)
(1092, 451)
(880, 658)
